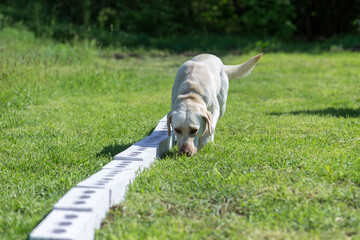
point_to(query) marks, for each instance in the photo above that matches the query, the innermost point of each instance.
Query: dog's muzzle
(187, 151)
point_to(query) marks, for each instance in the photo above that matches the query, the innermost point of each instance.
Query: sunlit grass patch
(284, 164)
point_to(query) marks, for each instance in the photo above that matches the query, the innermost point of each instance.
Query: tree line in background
(282, 19)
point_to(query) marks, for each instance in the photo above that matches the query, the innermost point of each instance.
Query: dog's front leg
(203, 140)
(215, 118)
(212, 136)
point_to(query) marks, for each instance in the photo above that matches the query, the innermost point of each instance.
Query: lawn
(285, 163)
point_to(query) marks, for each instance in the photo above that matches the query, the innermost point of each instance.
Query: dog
(198, 99)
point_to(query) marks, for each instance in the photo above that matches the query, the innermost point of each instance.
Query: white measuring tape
(81, 210)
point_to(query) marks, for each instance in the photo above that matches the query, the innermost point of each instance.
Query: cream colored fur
(199, 99)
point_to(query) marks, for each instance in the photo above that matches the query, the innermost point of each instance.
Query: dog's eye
(178, 130)
(193, 131)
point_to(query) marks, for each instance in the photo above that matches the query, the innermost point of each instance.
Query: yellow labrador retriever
(199, 99)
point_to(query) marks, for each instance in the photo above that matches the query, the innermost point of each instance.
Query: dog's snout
(185, 151)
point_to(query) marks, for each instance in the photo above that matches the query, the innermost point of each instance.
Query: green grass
(285, 163)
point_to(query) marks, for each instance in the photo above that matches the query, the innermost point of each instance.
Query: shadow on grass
(112, 149)
(171, 154)
(335, 112)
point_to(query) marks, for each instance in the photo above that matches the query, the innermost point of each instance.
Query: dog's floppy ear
(207, 117)
(169, 117)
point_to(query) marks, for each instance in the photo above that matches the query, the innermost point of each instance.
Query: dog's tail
(241, 70)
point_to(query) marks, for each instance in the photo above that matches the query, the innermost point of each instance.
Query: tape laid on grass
(81, 210)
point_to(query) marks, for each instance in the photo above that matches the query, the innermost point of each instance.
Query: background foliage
(136, 22)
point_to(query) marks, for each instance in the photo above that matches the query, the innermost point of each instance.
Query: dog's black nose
(185, 151)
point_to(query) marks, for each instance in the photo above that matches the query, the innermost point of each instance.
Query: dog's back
(214, 64)
(201, 75)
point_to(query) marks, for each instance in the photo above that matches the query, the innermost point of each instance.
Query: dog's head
(189, 126)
